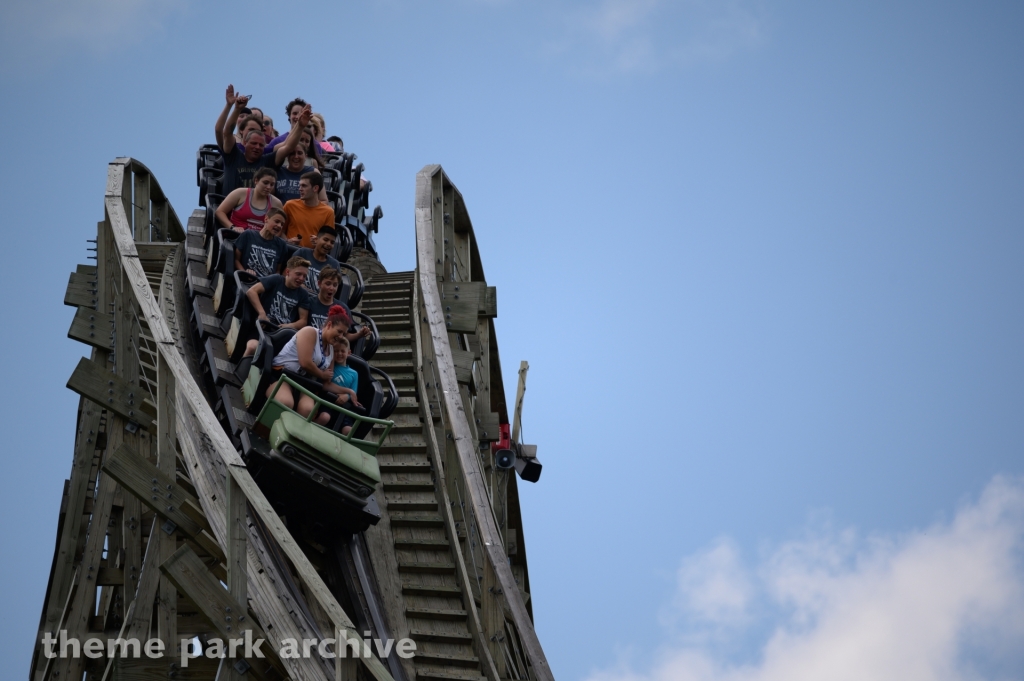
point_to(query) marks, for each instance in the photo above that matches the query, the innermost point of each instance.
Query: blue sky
(763, 258)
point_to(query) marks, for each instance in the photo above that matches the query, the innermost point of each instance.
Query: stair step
(407, 428)
(446, 659)
(395, 299)
(403, 447)
(393, 354)
(441, 674)
(429, 568)
(375, 308)
(416, 519)
(440, 636)
(411, 505)
(440, 590)
(404, 466)
(407, 405)
(402, 317)
(422, 544)
(408, 486)
(396, 338)
(378, 286)
(393, 365)
(436, 613)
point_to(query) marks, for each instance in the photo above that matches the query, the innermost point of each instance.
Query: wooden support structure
(164, 535)
(444, 244)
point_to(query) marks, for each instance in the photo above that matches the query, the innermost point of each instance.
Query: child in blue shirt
(345, 383)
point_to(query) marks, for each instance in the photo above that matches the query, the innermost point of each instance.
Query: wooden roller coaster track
(163, 533)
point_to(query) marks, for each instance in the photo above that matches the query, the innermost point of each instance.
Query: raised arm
(228, 131)
(282, 150)
(218, 127)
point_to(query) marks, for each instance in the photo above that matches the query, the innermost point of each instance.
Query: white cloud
(941, 604)
(712, 587)
(625, 36)
(42, 30)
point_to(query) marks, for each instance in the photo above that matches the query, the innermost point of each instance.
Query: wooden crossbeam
(81, 291)
(462, 302)
(463, 365)
(112, 392)
(161, 493)
(91, 327)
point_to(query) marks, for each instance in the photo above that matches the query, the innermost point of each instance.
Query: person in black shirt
(240, 165)
(260, 253)
(330, 280)
(319, 257)
(281, 300)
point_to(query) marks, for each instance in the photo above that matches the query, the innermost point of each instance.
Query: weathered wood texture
(91, 327)
(432, 268)
(92, 381)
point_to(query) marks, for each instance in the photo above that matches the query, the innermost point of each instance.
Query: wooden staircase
(414, 563)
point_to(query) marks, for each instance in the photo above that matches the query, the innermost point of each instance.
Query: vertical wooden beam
(131, 538)
(492, 612)
(483, 388)
(83, 602)
(64, 563)
(447, 225)
(517, 415)
(126, 196)
(235, 512)
(160, 227)
(166, 459)
(437, 217)
(140, 204)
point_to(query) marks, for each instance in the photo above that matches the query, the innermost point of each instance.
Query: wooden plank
(463, 365)
(476, 294)
(160, 492)
(140, 204)
(138, 620)
(475, 481)
(81, 291)
(94, 382)
(166, 458)
(237, 557)
(517, 417)
(488, 425)
(91, 327)
(158, 212)
(146, 669)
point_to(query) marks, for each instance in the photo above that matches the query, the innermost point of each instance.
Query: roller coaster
(199, 510)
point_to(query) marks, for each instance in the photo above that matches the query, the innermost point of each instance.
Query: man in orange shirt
(307, 214)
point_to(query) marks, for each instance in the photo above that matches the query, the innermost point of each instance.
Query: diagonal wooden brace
(163, 495)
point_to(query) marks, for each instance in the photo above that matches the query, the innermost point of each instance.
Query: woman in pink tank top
(246, 207)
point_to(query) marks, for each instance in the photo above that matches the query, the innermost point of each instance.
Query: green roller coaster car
(343, 464)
